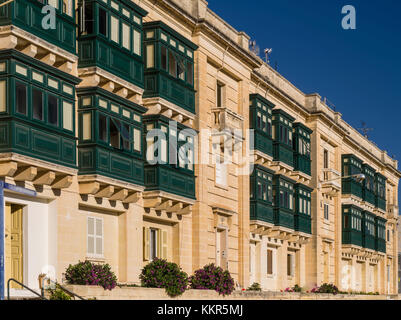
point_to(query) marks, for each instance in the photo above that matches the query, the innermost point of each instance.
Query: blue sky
(357, 70)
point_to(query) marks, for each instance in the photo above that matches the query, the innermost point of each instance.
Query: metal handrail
(60, 287)
(24, 286)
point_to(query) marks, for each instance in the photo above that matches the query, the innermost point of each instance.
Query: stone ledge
(138, 293)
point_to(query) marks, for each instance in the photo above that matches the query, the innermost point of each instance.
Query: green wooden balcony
(168, 179)
(368, 230)
(380, 241)
(380, 203)
(352, 225)
(110, 136)
(110, 38)
(302, 163)
(283, 137)
(352, 237)
(169, 168)
(303, 210)
(302, 148)
(26, 14)
(261, 211)
(37, 109)
(351, 187)
(284, 218)
(263, 143)
(283, 153)
(369, 196)
(380, 188)
(261, 122)
(169, 67)
(303, 223)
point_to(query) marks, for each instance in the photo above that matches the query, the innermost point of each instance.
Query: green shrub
(88, 273)
(255, 287)
(58, 294)
(162, 274)
(211, 277)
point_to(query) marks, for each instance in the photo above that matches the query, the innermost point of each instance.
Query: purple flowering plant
(88, 273)
(162, 274)
(211, 277)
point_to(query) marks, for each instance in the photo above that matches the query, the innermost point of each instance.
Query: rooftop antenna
(254, 47)
(365, 130)
(267, 53)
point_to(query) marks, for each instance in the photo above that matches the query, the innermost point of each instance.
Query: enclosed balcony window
(282, 124)
(284, 194)
(163, 58)
(303, 199)
(169, 71)
(53, 3)
(102, 127)
(263, 182)
(117, 126)
(3, 96)
(37, 104)
(103, 23)
(52, 108)
(172, 64)
(179, 155)
(86, 19)
(68, 7)
(115, 29)
(352, 222)
(21, 98)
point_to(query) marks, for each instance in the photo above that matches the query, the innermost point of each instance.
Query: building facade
(268, 185)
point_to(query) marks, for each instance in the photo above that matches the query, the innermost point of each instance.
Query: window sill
(96, 259)
(220, 186)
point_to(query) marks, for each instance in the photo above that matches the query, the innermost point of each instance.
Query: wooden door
(14, 261)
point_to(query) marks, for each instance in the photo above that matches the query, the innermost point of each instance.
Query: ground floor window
(291, 264)
(269, 262)
(155, 244)
(95, 237)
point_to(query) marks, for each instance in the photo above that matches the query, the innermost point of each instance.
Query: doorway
(13, 244)
(221, 248)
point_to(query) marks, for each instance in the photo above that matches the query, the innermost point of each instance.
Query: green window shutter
(146, 244)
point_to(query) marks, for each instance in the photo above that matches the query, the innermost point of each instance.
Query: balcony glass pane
(137, 43)
(67, 116)
(20, 97)
(172, 64)
(52, 110)
(150, 56)
(37, 104)
(53, 3)
(103, 22)
(102, 128)
(126, 36)
(87, 125)
(67, 7)
(114, 134)
(115, 32)
(3, 96)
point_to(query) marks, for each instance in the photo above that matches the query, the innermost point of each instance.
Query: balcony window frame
(163, 123)
(283, 194)
(264, 179)
(102, 106)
